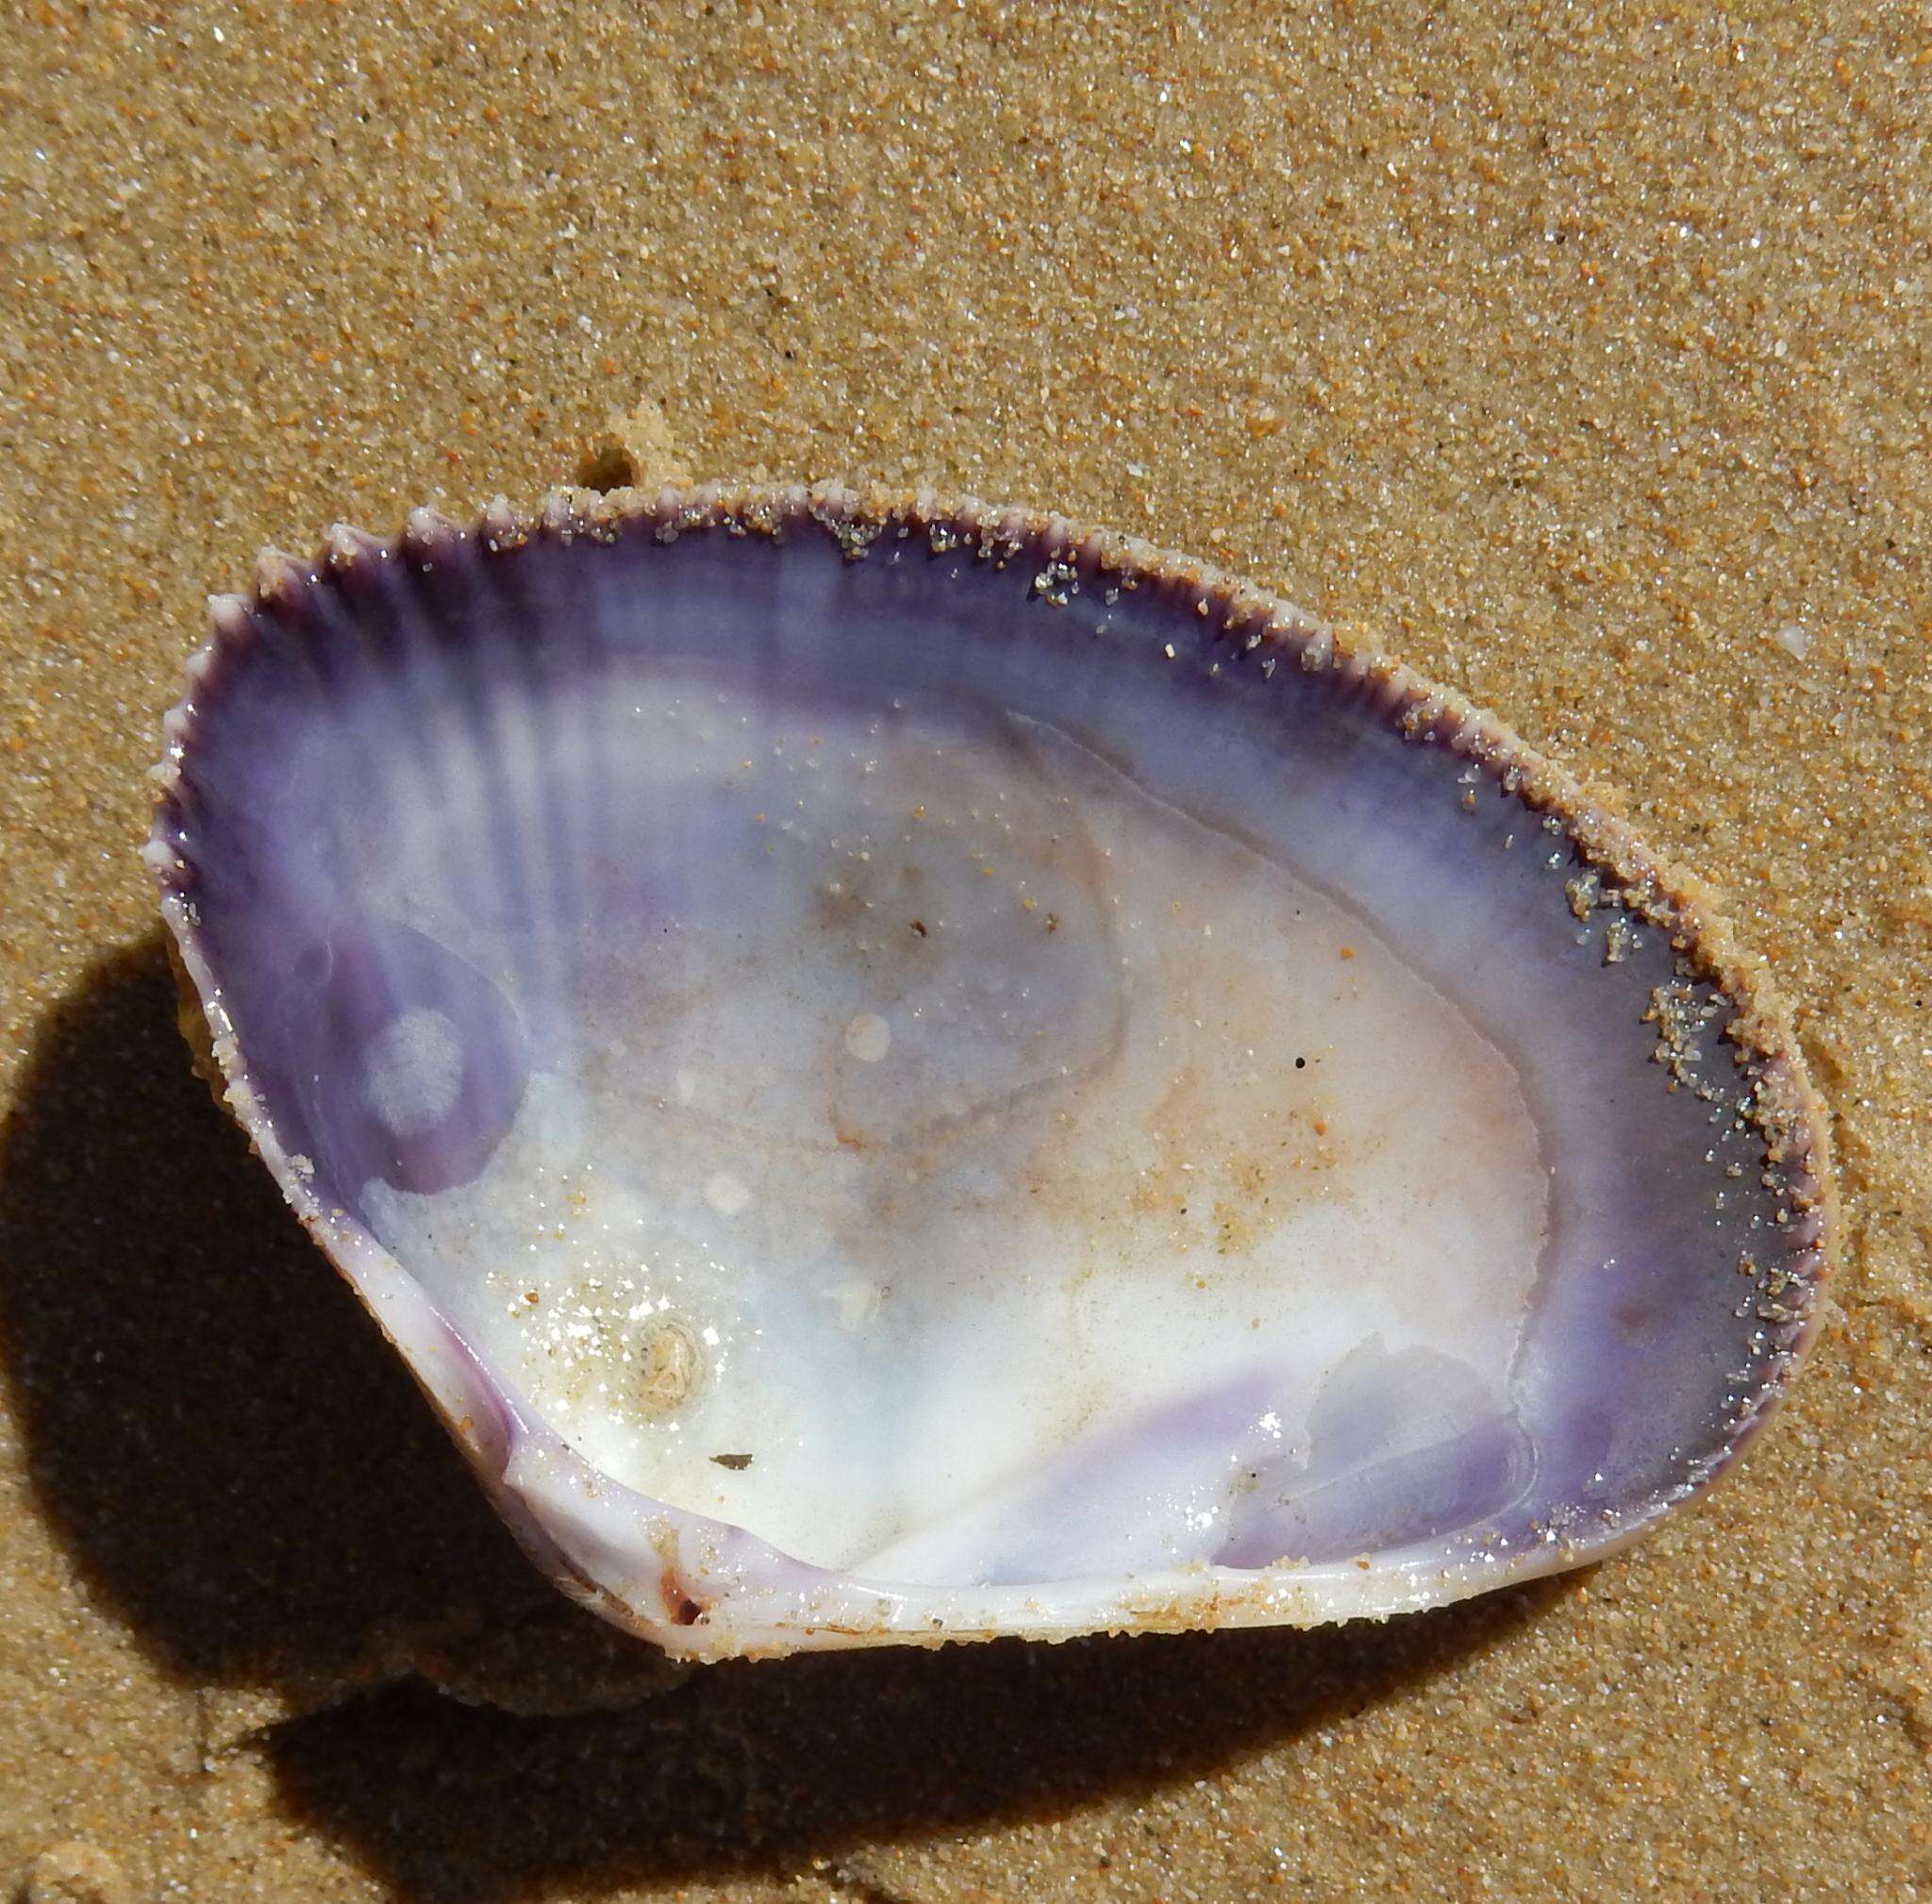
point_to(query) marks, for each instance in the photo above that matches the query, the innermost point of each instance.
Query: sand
(1579, 358)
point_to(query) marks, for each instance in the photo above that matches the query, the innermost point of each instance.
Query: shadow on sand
(246, 1477)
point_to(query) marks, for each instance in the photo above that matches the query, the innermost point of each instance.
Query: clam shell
(902, 1071)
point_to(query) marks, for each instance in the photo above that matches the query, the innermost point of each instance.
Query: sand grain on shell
(1575, 358)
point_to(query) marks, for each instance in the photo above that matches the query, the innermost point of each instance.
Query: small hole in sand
(608, 467)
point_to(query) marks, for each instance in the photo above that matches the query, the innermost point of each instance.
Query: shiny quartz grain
(1573, 357)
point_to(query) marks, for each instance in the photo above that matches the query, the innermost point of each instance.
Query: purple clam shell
(351, 700)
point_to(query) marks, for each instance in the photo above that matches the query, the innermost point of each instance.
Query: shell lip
(1791, 1116)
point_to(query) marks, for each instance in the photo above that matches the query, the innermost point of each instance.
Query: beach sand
(1581, 360)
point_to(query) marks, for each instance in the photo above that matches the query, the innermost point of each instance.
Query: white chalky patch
(868, 1037)
(725, 1193)
(412, 1072)
(858, 1302)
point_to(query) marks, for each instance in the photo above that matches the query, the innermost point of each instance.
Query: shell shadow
(236, 1461)
(758, 1769)
(244, 1474)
